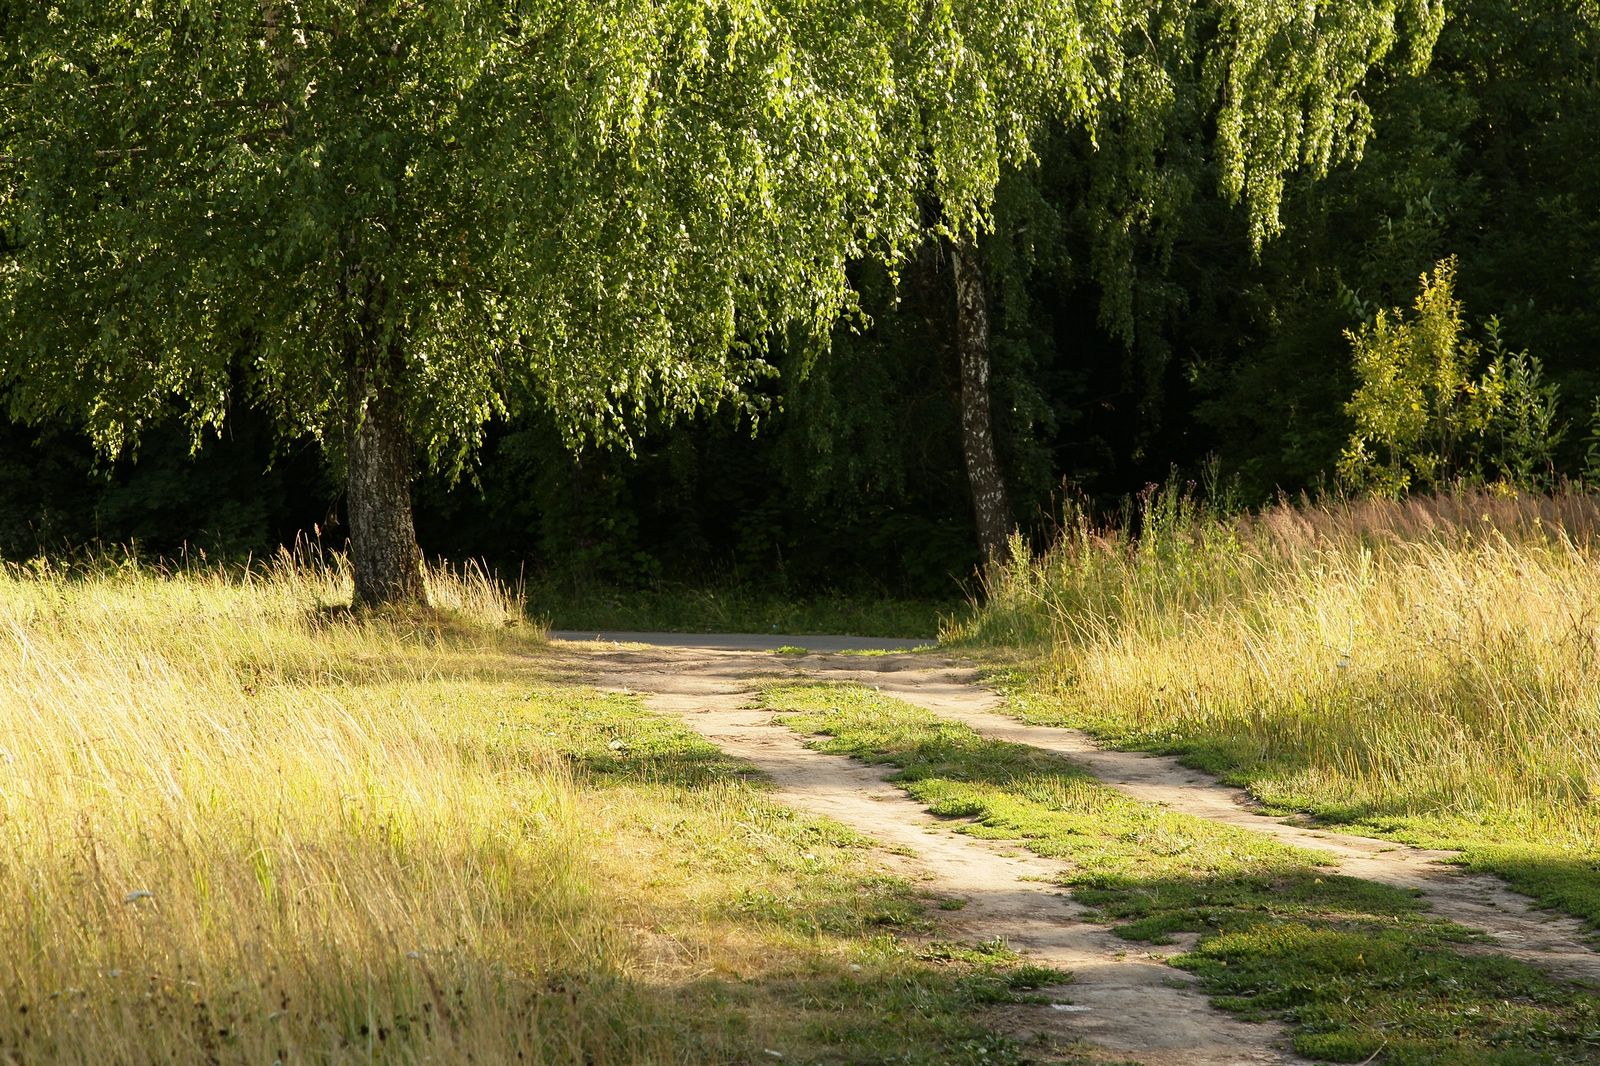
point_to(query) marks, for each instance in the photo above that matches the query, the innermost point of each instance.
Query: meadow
(1424, 670)
(239, 824)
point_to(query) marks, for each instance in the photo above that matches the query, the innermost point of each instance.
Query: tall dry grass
(237, 825)
(1425, 666)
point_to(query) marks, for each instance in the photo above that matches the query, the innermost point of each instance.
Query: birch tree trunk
(384, 556)
(990, 507)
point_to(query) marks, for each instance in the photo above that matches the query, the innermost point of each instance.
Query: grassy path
(1355, 942)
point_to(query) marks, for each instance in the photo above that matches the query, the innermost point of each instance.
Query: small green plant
(1423, 420)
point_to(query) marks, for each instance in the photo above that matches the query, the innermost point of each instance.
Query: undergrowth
(735, 609)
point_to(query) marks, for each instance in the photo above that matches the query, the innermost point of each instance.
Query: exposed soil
(1125, 1002)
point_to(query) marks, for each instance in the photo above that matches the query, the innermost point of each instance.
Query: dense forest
(1132, 344)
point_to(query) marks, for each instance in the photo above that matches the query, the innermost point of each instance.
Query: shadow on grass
(461, 1008)
(1355, 990)
(1559, 868)
(699, 768)
(1570, 885)
(1551, 871)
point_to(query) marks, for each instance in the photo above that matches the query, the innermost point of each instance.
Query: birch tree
(389, 222)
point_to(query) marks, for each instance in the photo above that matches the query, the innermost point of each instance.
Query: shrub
(1423, 420)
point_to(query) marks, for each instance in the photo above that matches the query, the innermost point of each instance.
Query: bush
(1422, 420)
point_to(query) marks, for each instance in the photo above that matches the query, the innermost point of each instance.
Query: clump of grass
(1355, 967)
(1424, 669)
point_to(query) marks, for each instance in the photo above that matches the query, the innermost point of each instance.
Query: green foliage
(1523, 431)
(1120, 236)
(228, 499)
(599, 210)
(1590, 474)
(1423, 420)
(754, 607)
(1475, 157)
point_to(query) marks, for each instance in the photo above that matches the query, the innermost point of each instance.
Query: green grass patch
(1353, 966)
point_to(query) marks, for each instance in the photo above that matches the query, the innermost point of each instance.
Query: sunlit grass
(232, 822)
(1426, 669)
(239, 823)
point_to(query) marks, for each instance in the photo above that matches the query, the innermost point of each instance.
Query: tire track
(1559, 945)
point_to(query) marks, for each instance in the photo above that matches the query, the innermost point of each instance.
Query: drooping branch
(283, 64)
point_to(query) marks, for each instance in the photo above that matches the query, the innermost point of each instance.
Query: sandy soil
(1125, 1002)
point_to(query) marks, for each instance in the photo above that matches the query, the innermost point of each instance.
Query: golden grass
(1426, 667)
(207, 849)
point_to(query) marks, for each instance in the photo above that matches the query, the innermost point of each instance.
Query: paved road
(746, 641)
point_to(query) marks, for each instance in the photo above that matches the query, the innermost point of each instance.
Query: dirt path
(1123, 1003)
(1129, 1003)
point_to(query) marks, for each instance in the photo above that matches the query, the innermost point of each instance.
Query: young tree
(388, 222)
